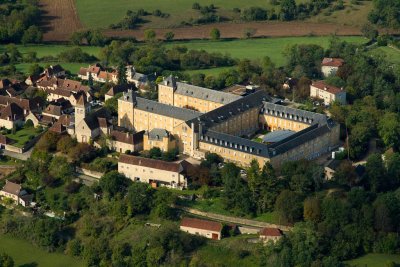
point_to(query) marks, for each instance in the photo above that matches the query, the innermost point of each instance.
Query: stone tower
(126, 106)
(82, 108)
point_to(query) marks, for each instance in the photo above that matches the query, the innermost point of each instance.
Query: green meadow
(374, 260)
(101, 13)
(25, 254)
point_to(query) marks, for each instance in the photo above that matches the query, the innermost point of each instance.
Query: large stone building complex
(203, 120)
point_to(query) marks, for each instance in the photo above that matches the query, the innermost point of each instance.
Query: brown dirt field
(60, 19)
(236, 30)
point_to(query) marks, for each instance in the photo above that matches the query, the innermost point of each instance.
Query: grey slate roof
(277, 136)
(296, 114)
(158, 134)
(140, 77)
(232, 109)
(205, 94)
(165, 110)
(301, 137)
(236, 143)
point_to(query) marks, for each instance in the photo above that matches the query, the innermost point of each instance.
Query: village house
(125, 141)
(330, 66)
(15, 192)
(208, 229)
(270, 234)
(328, 93)
(132, 76)
(154, 172)
(57, 108)
(118, 89)
(64, 88)
(12, 116)
(160, 138)
(98, 74)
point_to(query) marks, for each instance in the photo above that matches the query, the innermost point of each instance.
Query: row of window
(287, 115)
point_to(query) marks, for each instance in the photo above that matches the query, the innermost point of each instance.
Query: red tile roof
(326, 87)
(201, 224)
(332, 62)
(270, 232)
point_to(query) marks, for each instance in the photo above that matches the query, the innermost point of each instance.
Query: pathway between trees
(231, 219)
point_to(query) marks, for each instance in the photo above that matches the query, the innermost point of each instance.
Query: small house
(208, 229)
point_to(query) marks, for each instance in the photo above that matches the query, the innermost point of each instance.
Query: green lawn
(25, 254)
(392, 54)
(227, 252)
(374, 260)
(52, 50)
(213, 71)
(258, 48)
(22, 136)
(102, 13)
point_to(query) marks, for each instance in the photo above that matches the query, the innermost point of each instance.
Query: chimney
(325, 88)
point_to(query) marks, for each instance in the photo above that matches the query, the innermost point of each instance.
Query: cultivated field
(236, 30)
(60, 19)
(25, 254)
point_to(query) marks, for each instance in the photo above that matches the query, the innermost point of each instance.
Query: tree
(345, 174)
(60, 168)
(389, 130)
(288, 10)
(65, 143)
(169, 36)
(32, 35)
(312, 209)
(376, 173)
(149, 35)
(249, 32)
(139, 198)
(48, 141)
(29, 124)
(35, 69)
(215, 34)
(288, 205)
(155, 153)
(369, 31)
(6, 260)
(122, 74)
(113, 183)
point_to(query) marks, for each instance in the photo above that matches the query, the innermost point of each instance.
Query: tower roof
(170, 81)
(82, 101)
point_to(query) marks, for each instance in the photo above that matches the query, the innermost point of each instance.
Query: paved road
(23, 156)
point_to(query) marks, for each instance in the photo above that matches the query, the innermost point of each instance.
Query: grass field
(392, 55)
(374, 260)
(352, 14)
(21, 137)
(24, 254)
(251, 48)
(258, 48)
(72, 67)
(101, 13)
(51, 50)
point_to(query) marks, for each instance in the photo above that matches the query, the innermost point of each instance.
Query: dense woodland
(19, 21)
